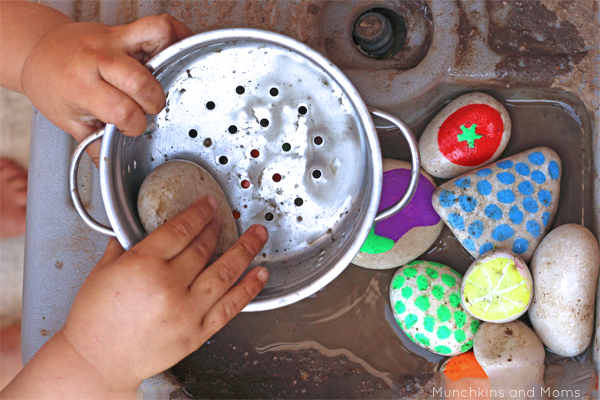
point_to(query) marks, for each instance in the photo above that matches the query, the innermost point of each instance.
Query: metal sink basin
(541, 60)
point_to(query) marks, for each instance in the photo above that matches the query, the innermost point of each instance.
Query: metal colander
(282, 131)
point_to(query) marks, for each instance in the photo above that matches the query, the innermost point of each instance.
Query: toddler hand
(140, 312)
(80, 75)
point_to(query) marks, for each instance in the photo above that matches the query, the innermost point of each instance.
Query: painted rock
(508, 205)
(497, 287)
(565, 274)
(406, 235)
(463, 366)
(172, 187)
(463, 374)
(471, 131)
(512, 356)
(425, 300)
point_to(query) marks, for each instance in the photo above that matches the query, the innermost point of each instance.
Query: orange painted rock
(463, 378)
(463, 366)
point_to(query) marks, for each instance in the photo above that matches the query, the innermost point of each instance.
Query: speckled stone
(512, 356)
(172, 187)
(425, 225)
(425, 300)
(565, 274)
(508, 205)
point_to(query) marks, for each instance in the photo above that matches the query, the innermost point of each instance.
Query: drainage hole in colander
(302, 110)
(232, 129)
(236, 215)
(223, 160)
(316, 173)
(210, 105)
(240, 90)
(299, 218)
(318, 140)
(245, 184)
(207, 142)
(193, 133)
(298, 201)
(269, 216)
(286, 147)
(255, 153)
(274, 92)
(276, 177)
(264, 122)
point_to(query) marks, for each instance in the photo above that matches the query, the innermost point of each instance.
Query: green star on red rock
(468, 135)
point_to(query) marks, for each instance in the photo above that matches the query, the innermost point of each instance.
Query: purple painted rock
(408, 234)
(508, 205)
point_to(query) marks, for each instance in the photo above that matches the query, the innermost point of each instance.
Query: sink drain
(380, 33)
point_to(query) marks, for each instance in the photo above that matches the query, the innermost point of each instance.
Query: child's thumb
(148, 36)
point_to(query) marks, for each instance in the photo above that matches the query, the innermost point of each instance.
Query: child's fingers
(217, 279)
(113, 251)
(153, 34)
(112, 106)
(175, 235)
(191, 261)
(133, 79)
(81, 127)
(234, 301)
(180, 29)
(93, 151)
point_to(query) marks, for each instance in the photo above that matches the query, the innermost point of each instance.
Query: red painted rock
(472, 131)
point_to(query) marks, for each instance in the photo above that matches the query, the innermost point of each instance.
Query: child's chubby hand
(140, 312)
(80, 75)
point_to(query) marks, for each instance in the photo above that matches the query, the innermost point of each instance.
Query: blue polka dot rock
(425, 299)
(507, 205)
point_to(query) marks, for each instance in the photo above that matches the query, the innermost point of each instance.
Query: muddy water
(343, 342)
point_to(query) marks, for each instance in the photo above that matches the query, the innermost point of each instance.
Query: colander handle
(415, 171)
(85, 216)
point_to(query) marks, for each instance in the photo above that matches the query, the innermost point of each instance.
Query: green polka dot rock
(425, 298)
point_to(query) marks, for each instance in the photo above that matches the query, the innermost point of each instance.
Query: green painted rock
(425, 299)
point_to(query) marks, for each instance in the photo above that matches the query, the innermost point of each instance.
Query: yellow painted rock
(497, 287)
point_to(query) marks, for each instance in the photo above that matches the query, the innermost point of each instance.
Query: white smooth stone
(565, 274)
